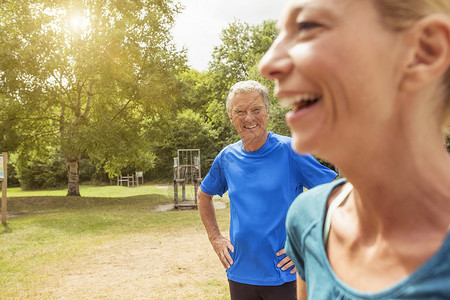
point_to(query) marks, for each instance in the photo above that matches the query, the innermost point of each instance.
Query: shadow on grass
(76, 216)
(6, 229)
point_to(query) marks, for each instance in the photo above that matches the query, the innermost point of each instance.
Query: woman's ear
(429, 55)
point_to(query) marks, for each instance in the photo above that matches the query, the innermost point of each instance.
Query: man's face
(249, 115)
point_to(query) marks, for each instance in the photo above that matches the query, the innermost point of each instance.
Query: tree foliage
(99, 83)
(83, 75)
(200, 119)
(184, 129)
(236, 59)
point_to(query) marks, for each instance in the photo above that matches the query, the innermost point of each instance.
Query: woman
(369, 83)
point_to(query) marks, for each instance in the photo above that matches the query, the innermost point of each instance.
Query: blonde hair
(402, 14)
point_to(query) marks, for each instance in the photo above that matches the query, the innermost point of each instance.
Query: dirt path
(172, 265)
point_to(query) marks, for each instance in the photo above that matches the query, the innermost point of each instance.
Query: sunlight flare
(78, 23)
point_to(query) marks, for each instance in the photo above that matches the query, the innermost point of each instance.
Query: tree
(200, 119)
(236, 59)
(242, 47)
(9, 139)
(179, 130)
(83, 75)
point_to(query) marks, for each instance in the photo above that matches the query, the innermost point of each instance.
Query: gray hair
(248, 86)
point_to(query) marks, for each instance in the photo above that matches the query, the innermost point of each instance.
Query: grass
(48, 228)
(105, 191)
(98, 191)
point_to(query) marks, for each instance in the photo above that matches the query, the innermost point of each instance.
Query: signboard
(2, 173)
(140, 174)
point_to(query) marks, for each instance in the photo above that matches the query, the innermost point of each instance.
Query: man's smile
(250, 126)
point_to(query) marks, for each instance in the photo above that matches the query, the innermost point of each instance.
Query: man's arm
(311, 172)
(207, 213)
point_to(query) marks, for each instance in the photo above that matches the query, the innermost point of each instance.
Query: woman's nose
(276, 62)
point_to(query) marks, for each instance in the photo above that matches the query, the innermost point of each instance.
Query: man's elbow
(202, 196)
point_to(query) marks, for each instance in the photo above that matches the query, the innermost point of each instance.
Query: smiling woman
(368, 82)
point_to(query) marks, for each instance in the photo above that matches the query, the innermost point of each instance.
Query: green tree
(235, 59)
(184, 129)
(199, 119)
(83, 76)
(9, 122)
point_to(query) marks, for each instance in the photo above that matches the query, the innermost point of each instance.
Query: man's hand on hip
(221, 245)
(286, 262)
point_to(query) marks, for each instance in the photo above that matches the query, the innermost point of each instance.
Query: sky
(199, 26)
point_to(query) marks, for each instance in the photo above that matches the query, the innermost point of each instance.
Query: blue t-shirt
(261, 186)
(305, 246)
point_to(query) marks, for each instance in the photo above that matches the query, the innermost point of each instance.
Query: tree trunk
(73, 166)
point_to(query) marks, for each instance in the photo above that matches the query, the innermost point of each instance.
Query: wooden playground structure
(186, 171)
(132, 179)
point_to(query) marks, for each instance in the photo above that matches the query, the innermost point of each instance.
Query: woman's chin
(303, 144)
(299, 146)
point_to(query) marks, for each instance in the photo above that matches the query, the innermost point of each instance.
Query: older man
(263, 176)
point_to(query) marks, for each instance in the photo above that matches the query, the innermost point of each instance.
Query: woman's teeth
(299, 101)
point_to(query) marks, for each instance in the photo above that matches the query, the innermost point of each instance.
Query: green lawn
(105, 191)
(98, 191)
(46, 228)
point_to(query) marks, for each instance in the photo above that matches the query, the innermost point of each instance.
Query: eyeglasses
(253, 112)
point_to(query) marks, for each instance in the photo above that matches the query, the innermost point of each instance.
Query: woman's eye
(305, 26)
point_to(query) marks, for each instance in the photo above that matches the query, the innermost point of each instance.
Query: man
(263, 176)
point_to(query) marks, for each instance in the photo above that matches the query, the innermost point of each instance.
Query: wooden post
(175, 192)
(4, 186)
(183, 191)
